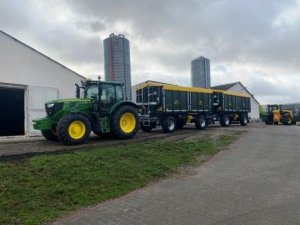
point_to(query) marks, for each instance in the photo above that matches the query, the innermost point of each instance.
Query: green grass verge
(42, 188)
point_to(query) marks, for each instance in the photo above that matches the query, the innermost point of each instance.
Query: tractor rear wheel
(74, 129)
(169, 124)
(201, 122)
(125, 122)
(49, 135)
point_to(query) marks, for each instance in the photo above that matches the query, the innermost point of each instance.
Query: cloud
(255, 42)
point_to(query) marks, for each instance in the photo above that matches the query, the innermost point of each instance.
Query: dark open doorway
(11, 111)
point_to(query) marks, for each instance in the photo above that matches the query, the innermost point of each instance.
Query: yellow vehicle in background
(275, 115)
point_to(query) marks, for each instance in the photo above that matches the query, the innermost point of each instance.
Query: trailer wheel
(201, 122)
(74, 129)
(169, 124)
(49, 135)
(125, 122)
(243, 120)
(225, 121)
(146, 128)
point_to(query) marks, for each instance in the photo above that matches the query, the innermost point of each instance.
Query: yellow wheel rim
(77, 129)
(127, 122)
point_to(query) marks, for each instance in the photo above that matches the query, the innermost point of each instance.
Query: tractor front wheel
(74, 129)
(125, 122)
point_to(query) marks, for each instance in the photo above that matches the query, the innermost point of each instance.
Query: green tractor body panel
(56, 109)
(118, 104)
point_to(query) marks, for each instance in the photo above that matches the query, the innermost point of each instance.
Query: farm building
(239, 87)
(28, 79)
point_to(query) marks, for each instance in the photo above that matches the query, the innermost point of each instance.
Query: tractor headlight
(50, 105)
(53, 108)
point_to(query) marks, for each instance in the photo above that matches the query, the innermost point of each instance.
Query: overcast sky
(255, 42)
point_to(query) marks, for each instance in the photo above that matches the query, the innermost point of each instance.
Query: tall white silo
(200, 72)
(117, 61)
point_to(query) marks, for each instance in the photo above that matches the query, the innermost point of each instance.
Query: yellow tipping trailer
(172, 106)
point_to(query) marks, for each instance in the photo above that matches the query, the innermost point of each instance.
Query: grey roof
(153, 82)
(22, 43)
(226, 87)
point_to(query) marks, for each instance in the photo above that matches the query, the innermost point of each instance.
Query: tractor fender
(84, 114)
(121, 103)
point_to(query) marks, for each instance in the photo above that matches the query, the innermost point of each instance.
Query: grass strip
(42, 188)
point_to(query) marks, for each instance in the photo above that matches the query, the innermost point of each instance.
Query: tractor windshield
(91, 92)
(110, 92)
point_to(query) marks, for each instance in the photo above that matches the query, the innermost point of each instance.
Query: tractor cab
(104, 95)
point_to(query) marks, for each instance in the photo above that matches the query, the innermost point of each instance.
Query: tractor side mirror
(77, 91)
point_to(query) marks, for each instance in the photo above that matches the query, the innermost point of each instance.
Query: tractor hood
(69, 100)
(62, 106)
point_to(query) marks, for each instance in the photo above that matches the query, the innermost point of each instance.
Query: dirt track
(28, 148)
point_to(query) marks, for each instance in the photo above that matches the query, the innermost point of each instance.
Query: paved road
(256, 181)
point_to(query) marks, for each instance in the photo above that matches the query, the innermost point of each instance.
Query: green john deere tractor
(102, 110)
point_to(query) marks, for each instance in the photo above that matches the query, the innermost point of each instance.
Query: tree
(262, 111)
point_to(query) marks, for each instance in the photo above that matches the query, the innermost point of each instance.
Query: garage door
(37, 97)
(11, 111)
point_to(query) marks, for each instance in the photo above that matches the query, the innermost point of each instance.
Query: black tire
(287, 120)
(294, 122)
(81, 129)
(169, 124)
(225, 121)
(146, 128)
(201, 122)
(275, 123)
(49, 135)
(243, 120)
(127, 116)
